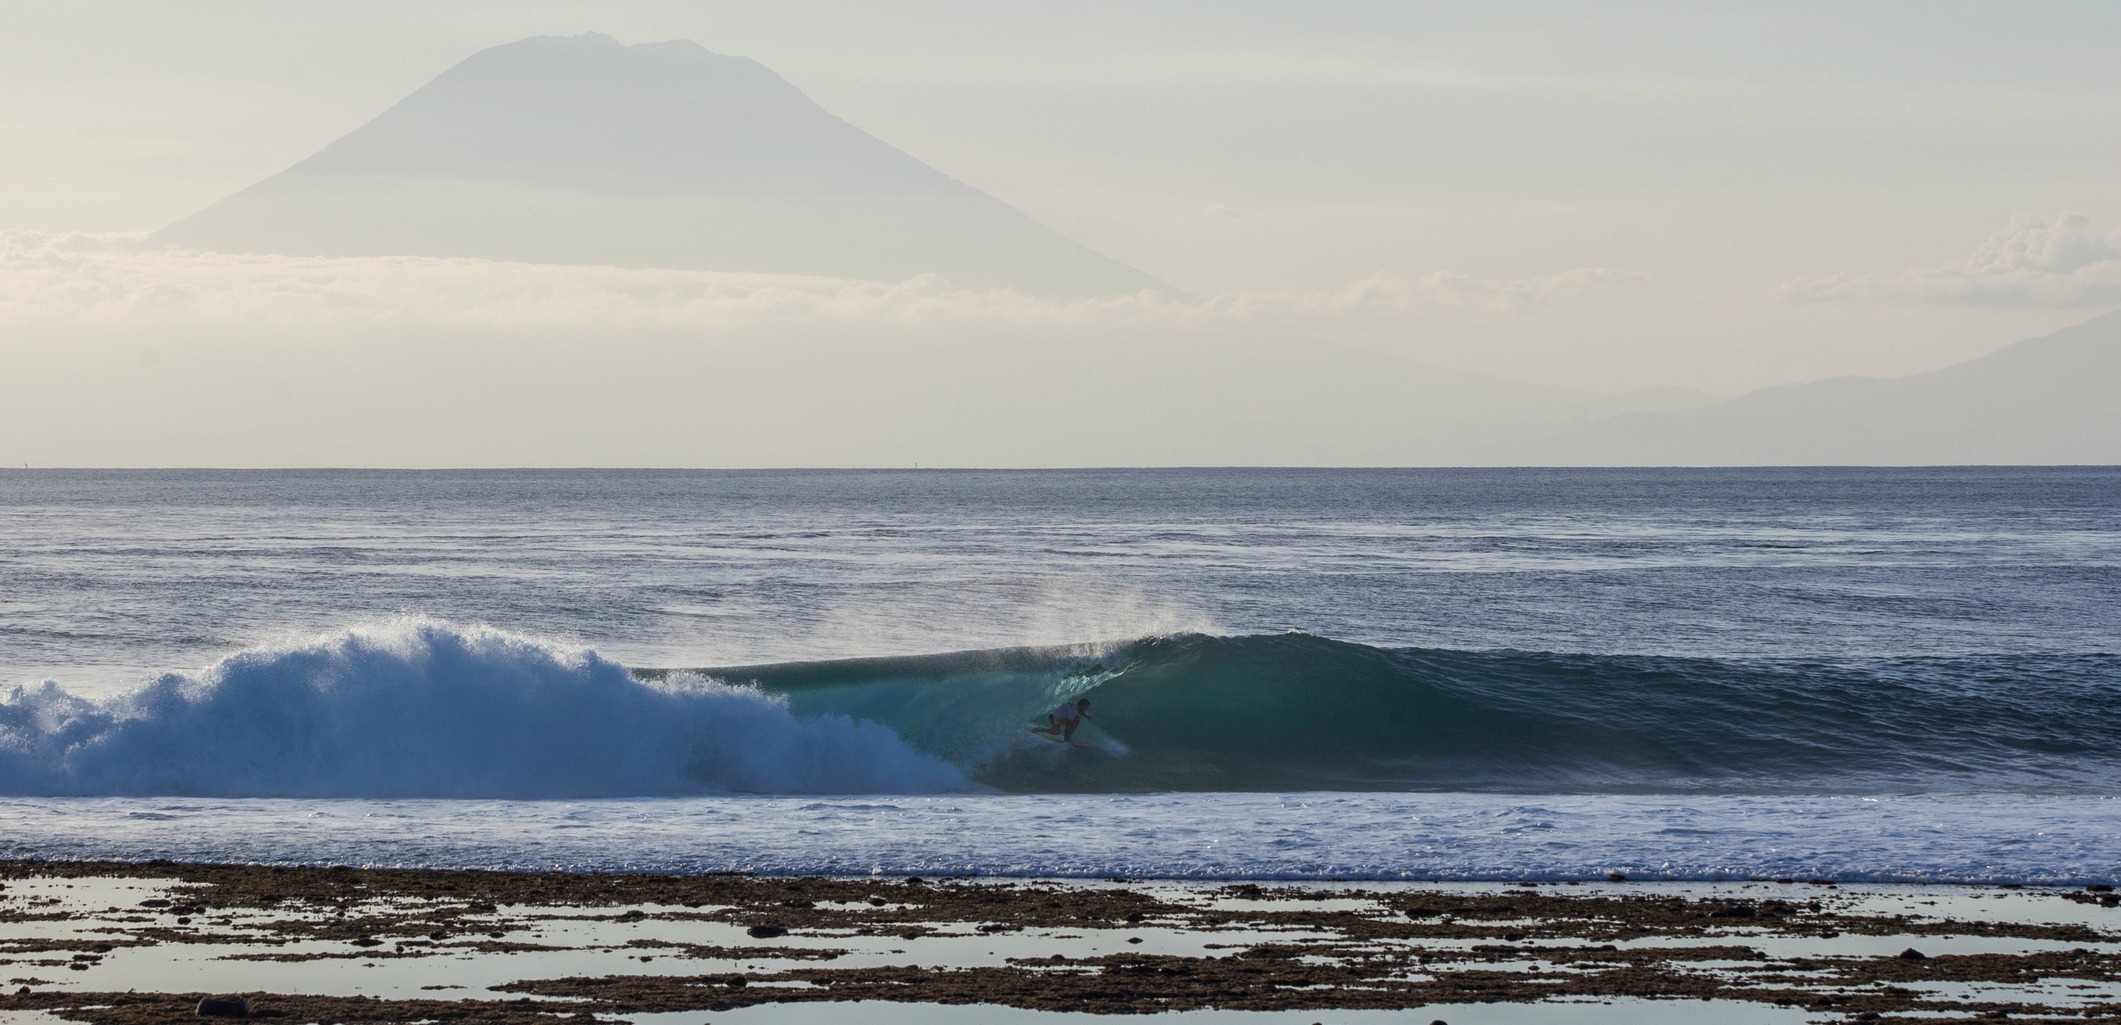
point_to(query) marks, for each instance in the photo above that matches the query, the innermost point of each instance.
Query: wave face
(420, 708)
(1297, 712)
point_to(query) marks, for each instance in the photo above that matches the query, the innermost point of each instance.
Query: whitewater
(1864, 674)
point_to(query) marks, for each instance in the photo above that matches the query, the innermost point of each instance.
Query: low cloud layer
(2063, 262)
(117, 279)
(114, 352)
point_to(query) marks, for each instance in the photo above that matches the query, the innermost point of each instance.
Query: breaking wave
(1298, 712)
(421, 708)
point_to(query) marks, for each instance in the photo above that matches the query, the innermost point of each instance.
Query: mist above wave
(1295, 712)
(425, 708)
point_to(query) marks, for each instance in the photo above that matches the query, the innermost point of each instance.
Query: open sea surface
(1879, 674)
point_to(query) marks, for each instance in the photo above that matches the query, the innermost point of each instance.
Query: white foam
(424, 708)
(1972, 838)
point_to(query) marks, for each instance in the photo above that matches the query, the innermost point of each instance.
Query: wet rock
(1736, 911)
(1359, 958)
(766, 932)
(1911, 954)
(224, 1007)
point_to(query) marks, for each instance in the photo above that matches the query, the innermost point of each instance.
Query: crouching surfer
(1062, 722)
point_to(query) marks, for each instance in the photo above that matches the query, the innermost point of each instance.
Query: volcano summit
(582, 150)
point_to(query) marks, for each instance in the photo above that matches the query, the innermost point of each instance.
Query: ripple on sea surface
(1985, 838)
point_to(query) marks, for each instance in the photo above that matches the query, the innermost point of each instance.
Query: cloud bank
(2062, 262)
(118, 279)
(117, 352)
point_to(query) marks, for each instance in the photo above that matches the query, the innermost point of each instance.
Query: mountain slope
(2054, 399)
(583, 150)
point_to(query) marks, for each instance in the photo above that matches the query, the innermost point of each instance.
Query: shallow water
(1615, 1012)
(254, 952)
(1934, 838)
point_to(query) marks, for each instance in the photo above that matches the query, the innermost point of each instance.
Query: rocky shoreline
(351, 945)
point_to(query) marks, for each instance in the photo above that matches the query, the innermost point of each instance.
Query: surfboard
(1050, 737)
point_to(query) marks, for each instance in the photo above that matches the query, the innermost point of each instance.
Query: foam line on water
(1375, 836)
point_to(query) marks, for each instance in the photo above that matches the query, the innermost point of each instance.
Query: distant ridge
(2054, 400)
(583, 150)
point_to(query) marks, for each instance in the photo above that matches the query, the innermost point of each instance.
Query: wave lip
(424, 708)
(1295, 712)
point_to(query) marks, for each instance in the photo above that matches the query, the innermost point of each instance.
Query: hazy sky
(1720, 196)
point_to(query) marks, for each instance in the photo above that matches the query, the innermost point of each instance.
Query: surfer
(1062, 721)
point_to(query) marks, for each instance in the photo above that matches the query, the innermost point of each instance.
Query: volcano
(583, 150)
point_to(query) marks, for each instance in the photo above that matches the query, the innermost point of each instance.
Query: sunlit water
(1934, 589)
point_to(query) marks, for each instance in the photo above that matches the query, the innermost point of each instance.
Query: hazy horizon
(1458, 234)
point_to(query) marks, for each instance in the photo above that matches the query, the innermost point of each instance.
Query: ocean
(1874, 674)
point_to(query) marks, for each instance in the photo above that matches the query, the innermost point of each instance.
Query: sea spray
(1293, 712)
(422, 708)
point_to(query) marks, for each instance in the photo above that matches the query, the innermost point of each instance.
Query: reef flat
(147, 942)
